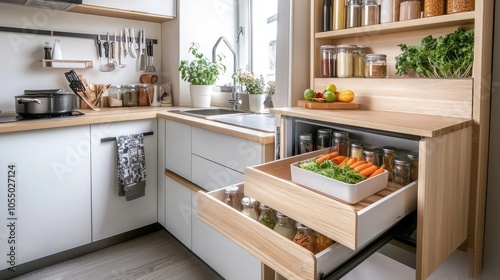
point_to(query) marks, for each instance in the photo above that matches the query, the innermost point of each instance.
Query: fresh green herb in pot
(448, 56)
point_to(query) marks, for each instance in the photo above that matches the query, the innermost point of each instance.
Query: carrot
(338, 159)
(351, 161)
(378, 171)
(327, 156)
(344, 162)
(368, 171)
(363, 167)
(357, 163)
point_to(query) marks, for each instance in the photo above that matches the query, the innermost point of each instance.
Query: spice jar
(370, 13)
(433, 8)
(357, 150)
(353, 15)
(232, 197)
(341, 143)
(375, 66)
(115, 91)
(371, 155)
(305, 143)
(389, 160)
(304, 237)
(386, 11)
(143, 94)
(321, 242)
(413, 157)
(129, 96)
(248, 207)
(460, 6)
(401, 171)
(324, 138)
(344, 61)
(358, 61)
(410, 9)
(338, 14)
(284, 226)
(267, 216)
(328, 61)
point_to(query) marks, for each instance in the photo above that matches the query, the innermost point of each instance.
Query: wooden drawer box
(349, 224)
(281, 254)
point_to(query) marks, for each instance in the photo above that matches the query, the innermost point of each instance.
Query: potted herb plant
(255, 87)
(201, 74)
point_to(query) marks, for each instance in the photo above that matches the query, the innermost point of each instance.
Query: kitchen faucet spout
(234, 101)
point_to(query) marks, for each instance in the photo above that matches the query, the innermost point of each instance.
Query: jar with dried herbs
(401, 173)
(460, 6)
(375, 66)
(267, 216)
(129, 96)
(413, 165)
(433, 8)
(304, 237)
(358, 61)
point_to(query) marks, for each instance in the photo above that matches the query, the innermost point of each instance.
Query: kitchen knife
(142, 46)
(127, 45)
(133, 43)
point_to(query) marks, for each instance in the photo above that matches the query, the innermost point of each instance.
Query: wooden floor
(154, 256)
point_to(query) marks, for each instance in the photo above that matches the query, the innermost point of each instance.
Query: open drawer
(281, 254)
(351, 225)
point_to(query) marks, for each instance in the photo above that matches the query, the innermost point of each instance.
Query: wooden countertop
(411, 124)
(137, 113)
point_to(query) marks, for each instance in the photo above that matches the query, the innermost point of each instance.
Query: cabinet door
(178, 211)
(178, 149)
(211, 176)
(160, 7)
(112, 214)
(51, 211)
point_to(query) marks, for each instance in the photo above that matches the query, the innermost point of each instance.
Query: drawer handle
(112, 139)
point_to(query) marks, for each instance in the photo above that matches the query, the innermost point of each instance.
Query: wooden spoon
(154, 79)
(145, 79)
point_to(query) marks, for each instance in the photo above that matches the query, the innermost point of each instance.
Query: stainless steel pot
(44, 102)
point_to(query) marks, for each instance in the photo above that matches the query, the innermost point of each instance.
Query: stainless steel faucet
(234, 101)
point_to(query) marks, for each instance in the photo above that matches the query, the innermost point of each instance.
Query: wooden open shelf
(65, 63)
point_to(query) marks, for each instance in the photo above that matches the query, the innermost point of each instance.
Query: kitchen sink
(210, 113)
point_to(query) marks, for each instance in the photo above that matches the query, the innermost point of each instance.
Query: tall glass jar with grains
(460, 6)
(344, 61)
(353, 15)
(284, 226)
(410, 9)
(433, 8)
(370, 13)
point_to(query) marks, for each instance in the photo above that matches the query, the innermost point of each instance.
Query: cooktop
(13, 117)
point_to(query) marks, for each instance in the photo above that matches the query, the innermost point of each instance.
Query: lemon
(331, 87)
(309, 93)
(329, 96)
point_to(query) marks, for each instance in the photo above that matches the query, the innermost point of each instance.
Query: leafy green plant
(201, 70)
(448, 56)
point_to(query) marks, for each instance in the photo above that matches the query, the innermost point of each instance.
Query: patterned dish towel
(131, 161)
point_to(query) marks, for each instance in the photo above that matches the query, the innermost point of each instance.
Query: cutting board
(327, 105)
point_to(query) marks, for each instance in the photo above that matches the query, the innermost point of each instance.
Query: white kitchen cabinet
(148, 10)
(52, 191)
(112, 214)
(178, 149)
(161, 170)
(214, 175)
(178, 210)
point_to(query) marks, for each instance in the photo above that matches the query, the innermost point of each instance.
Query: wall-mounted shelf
(65, 63)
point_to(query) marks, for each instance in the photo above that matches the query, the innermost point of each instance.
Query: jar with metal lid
(248, 205)
(143, 94)
(460, 6)
(413, 157)
(129, 96)
(232, 197)
(401, 171)
(370, 13)
(328, 61)
(371, 155)
(353, 15)
(305, 143)
(389, 160)
(267, 216)
(115, 91)
(358, 61)
(341, 143)
(410, 9)
(357, 150)
(304, 237)
(344, 61)
(375, 66)
(284, 226)
(433, 8)
(324, 138)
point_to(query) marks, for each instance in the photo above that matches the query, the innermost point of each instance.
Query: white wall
(22, 53)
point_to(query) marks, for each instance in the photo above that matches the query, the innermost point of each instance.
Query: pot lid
(44, 91)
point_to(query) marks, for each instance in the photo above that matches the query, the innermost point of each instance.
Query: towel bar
(111, 139)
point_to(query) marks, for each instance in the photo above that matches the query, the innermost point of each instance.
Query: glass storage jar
(115, 91)
(375, 66)
(304, 237)
(305, 143)
(341, 143)
(232, 197)
(248, 205)
(433, 8)
(410, 9)
(324, 138)
(358, 61)
(129, 96)
(371, 155)
(413, 157)
(338, 14)
(344, 61)
(401, 171)
(267, 216)
(284, 226)
(142, 95)
(460, 6)
(321, 242)
(353, 16)
(389, 160)
(328, 61)
(357, 150)
(370, 13)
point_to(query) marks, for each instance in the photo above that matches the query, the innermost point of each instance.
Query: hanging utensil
(127, 45)
(142, 46)
(113, 51)
(78, 88)
(150, 68)
(108, 67)
(133, 43)
(120, 52)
